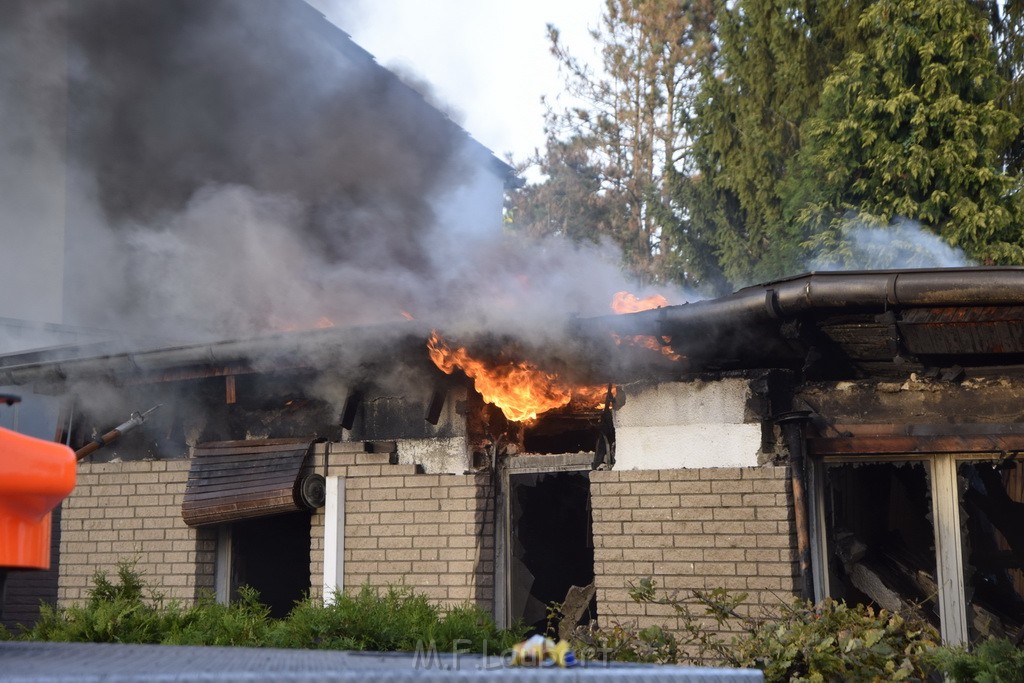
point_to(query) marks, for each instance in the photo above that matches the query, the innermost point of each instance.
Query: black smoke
(241, 166)
(171, 96)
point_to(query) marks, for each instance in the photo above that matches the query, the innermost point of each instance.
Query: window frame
(946, 528)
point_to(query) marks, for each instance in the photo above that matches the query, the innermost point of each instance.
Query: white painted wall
(334, 538)
(687, 425)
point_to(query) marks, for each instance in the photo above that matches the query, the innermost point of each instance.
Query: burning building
(185, 171)
(360, 383)
(844, 434)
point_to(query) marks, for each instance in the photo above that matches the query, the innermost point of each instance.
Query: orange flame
(624, 302)
(519, 388)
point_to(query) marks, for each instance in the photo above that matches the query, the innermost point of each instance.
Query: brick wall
(686, 528)
(431, 532)
(692, 529)
(132, 510)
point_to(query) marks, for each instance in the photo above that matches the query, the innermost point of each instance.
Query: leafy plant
(834, 641)
(799, 642)
(395, 620)
(243, 622)
(114, 613)
(365, 621)
(125, 611)
(996, 660)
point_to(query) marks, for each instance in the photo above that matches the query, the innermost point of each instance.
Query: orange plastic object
(35, 476)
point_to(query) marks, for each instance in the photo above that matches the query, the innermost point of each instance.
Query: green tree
(909, 127)
(611, 154)
(569, 203)
(772, 58)
(1007, 19)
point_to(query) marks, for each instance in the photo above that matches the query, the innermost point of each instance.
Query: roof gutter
(864, 291)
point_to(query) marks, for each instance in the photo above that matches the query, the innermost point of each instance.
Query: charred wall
(917, 400)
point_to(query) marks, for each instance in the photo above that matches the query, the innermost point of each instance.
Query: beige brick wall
(132, 511)
(692, 529)
(431, 532)
(686, 528)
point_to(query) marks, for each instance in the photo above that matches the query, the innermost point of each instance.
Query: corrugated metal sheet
(233, 480)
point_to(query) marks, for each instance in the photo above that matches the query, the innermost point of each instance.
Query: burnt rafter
(823, 358)
(832, 325)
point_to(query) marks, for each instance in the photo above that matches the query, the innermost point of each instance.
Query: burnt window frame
(942, 470)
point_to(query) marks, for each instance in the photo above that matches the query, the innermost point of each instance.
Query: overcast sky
(487, 60)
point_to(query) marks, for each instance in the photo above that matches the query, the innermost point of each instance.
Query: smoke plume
(230, 168)
(903, 244)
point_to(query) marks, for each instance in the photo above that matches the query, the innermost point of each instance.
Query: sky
(487, 62)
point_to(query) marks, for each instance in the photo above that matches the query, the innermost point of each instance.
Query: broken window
(880, 536)
(991, 496)
(552, 543)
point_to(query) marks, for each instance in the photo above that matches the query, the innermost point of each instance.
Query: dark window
(552, 546)
(271, 554)
(881, 543)
(992, 520)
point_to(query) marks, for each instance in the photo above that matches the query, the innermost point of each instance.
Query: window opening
(551, 543)
(991, 497)
(880, 536)
(271, 555)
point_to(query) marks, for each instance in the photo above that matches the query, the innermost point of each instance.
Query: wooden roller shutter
(233, 480)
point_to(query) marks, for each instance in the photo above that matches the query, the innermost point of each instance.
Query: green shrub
(114, 613)
(829, 641)
(833, 641)
(395, 619)
(619, 643)
(365, 621)
(470, 628)
(243, 622)
(996, 660)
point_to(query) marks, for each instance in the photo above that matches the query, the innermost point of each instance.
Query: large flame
(624, 302)
(519, 388)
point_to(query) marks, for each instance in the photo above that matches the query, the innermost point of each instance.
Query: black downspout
(792, 425)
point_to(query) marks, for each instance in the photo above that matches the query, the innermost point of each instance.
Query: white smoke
(902, 244)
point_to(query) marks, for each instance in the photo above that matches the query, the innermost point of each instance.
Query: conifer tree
(611, 154)
(909, 127)
(773, 56)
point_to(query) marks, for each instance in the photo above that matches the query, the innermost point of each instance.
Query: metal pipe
(114, 434)
(828, 291)
(792, 424)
